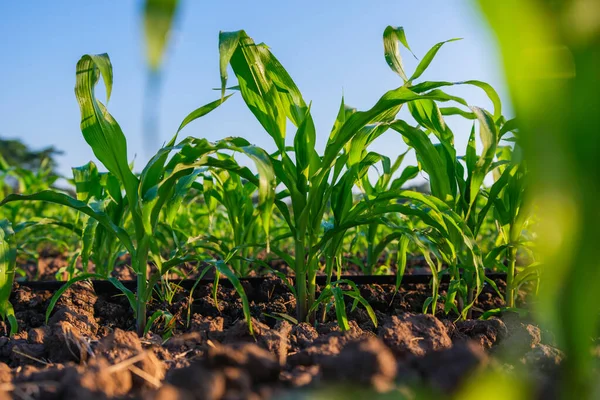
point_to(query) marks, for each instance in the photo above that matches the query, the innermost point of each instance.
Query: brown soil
(88, 348)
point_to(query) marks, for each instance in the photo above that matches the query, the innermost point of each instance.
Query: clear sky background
(329, 47)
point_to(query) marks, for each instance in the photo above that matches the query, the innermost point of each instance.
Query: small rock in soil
(414, 334)
(302, 335)
(210, 328)
(365, 362)
(485, 332)
(38, 335)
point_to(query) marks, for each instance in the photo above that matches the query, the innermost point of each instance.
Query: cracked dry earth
(89, 350)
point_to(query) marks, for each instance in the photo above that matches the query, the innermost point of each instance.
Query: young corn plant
(147, 195)
(237, 197)
(453, 240)
(8, 261)
(384, 183)
(459, 186)
(512, 212)
(101, 191)
(309, 179)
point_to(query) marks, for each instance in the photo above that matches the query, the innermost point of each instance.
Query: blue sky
(329, 47)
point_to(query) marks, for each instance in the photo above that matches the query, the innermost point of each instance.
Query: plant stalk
(141, 262)
(312, 285)
(301, 300)
(510, 276)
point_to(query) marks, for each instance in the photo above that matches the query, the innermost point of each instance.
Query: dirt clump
(414, 334)
(486, 333)
(366, 362)
(446, 369)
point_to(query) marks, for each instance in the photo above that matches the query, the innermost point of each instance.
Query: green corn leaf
(384, 110)
(99, 128)
(158, 18)
(491, 93)
(430, 159)
(457, 111)
(428, 115)
(495, 190)
(528, 274)
(167, 316)
(87, 182)
(199, 112)
(101, 131)
(154, 170)
(62, 199)
(487, 88)
(511, 125)
(521, 312)
(410, 172)
(360, 299)
(304, 145)
(428, 59)
(471, 154)
(340, 308)
(194, 154)
(87, 241)
(47, 221)
(323, 298)
(489, 136)
(282, 316)
(265, 85)
(228, 43)
(402, 253)
(391, 37)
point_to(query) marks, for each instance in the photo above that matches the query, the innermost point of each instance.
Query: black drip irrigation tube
(105, 287)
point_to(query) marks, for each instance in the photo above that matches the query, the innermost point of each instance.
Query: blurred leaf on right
(551, 55)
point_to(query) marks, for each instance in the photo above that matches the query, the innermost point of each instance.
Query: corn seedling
(8, 260)
(147, 195)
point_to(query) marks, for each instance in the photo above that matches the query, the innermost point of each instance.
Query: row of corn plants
(313, 208)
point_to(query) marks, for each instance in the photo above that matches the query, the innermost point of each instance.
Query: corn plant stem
(329, 260)
(312, 285)
(141, 262)
(470, 296)
(371, 232)
(510, 276)
(369, 270)
(301, 300)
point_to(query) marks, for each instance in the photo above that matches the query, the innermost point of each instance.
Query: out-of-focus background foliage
(551, 56)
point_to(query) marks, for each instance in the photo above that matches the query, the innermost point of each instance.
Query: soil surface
(88, 349)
